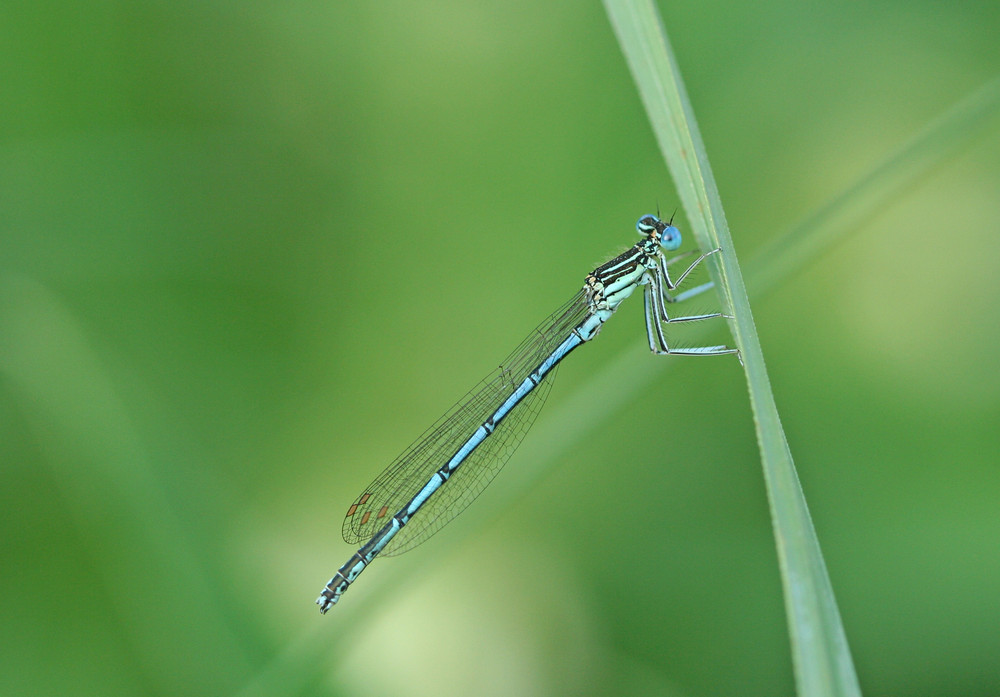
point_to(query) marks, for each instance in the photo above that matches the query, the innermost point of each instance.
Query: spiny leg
(688, 294)
(665, 282)
(673, 260)
(658, 342)
(657, 283)
(670, 284)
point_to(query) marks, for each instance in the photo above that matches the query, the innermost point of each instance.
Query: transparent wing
(401, 480)
(478, 470)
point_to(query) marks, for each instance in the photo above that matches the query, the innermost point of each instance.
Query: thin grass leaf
(943, 138)
(104, 476)
(820, 654)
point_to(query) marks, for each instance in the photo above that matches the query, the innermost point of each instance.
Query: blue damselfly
(456, 458)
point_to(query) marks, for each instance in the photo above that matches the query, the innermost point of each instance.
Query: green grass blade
(820, 652)
(125, 519)
(941, 139)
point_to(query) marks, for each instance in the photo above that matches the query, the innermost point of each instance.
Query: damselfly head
(666, 234)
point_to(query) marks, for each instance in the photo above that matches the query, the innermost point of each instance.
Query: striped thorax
(610, 283)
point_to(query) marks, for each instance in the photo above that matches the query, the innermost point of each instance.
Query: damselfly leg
(657, 297)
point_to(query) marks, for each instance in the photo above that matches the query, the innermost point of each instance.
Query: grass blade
(941, 139)
(820, 652)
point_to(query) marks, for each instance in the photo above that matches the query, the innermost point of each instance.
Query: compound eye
(670, 239)
(646, 225)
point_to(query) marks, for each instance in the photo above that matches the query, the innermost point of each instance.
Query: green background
(249, 251)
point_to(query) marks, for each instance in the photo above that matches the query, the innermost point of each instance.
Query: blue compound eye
(670, 238)
(646, 225)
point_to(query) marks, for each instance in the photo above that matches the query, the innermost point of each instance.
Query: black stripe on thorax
(621, 265)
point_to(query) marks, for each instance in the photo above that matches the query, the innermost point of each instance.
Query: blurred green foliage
(249, 251)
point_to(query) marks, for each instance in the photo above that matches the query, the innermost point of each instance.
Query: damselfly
(456, 458)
